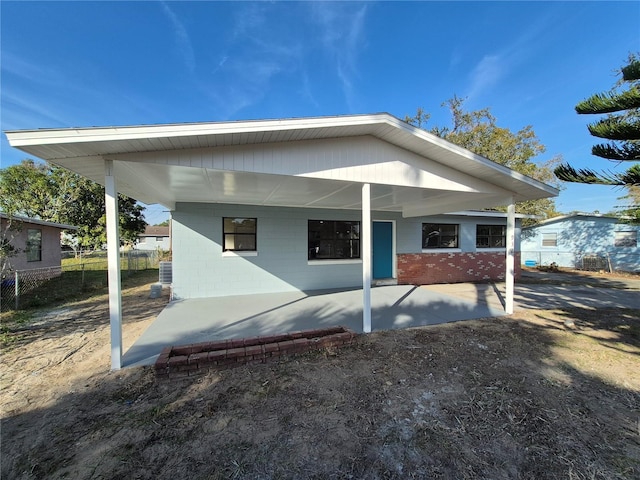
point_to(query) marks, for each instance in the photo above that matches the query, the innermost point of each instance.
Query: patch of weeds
(7, 337)
(11, 322)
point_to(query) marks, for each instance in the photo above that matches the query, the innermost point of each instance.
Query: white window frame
(554, 240)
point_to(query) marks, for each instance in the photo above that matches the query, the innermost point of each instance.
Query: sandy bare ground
(539, 394)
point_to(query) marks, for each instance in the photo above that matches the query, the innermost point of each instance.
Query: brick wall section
(428, 268)
(196, 359)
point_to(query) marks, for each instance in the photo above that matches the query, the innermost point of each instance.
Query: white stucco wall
(201, 269)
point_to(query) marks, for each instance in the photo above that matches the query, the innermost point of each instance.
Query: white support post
(510, 260)
(365, 250)
(113, 256)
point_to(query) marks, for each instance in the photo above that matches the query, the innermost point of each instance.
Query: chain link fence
(84, 271)
(589, 261)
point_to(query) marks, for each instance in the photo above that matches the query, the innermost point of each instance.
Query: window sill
(441, 250)
(348, 261)
(239, 254)
(490, 249)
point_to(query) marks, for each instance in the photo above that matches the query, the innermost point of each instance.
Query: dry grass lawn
(524, 396)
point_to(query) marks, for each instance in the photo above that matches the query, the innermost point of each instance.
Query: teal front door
(382, 250)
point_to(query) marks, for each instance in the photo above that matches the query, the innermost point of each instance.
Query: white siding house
(298, 204)
(583, 241)
(154, 238)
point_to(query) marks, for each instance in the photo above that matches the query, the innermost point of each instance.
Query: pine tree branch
(616, 128)
(610, 102)
(567, 173)
(627, 151)
(629, 178)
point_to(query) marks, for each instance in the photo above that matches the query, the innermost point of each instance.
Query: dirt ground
(535, 395)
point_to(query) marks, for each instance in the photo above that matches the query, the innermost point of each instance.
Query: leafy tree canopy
(479, 132)
(51, 193)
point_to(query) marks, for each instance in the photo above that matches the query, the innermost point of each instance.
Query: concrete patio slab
(399, 306)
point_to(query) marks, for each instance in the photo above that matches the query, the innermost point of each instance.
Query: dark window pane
(498, 242)
(331, 239)
(491, 236)
(240, 225)
(239, 234)
(439, 235)
(34, 245)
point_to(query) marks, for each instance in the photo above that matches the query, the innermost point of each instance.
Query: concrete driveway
(399, 306)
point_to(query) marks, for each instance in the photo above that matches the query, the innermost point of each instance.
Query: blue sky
(68, 64)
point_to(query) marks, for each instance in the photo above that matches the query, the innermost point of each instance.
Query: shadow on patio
(400, 306)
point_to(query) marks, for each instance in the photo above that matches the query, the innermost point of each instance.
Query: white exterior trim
(113, 256)
(229, 253)
(365, 252)
(334, 261)
(510, 260)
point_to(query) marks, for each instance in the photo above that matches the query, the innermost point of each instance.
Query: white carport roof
(360, 162)
(198, 162)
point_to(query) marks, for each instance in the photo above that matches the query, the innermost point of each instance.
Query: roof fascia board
(472, 213)
(574, 215)
(36, 221)
(19, 138)
(446, 145)
(25, 138)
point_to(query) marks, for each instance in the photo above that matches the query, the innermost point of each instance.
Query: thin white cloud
(248, 20)
(21, 111)
(255, 55)
(306, 91)
(342, 36)
(39, 95)
(185, 49)
(493, 67)
(486, 74)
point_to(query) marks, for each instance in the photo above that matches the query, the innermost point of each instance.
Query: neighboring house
(582, 241)
(154, 238)
(302, 204)
(37, 242)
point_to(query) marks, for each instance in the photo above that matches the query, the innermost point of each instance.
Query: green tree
(52, 193)
(621, 126)
(479, 132)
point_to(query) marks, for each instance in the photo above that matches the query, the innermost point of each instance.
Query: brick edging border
(199, 358)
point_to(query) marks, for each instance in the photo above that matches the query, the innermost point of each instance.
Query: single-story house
(154, 238)
(300, 204)
(36, 243)
(582, 241)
